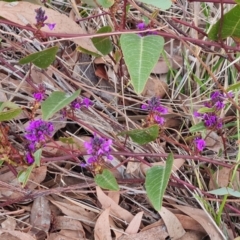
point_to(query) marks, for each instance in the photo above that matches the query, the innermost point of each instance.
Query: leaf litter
(60, 201)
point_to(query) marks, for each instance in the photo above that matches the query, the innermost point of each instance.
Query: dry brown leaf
(221, 177)
(158, 233)
(155, 87)
(36, 177)
(102, 226)
(177, 163)
(174, 227)
(134, 225)
(62, 222)
(213, 141)
(18, 234)
(159, 223)
(115, 196)
(193, 235)
(117, 231)
(189, 223)
(76, 211)
(9, 224)
(162, 67)
(201, 217)
(66, 235)
(40, 216)
(115, 208)
(23, 13)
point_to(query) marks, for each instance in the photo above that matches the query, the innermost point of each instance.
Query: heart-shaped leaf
(156, 182)
(225, 191)
(106, 180)
(141, 55)
(106, 3)
(162, 4)
(103, 44)
(55, 102)
(230, 25)
(41, 59)
(143, 136)
(10, 114)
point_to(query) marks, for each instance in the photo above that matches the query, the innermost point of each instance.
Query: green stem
(219, 214)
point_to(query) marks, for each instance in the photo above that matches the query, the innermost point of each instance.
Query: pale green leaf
(37, 157)
(105, 3)
(24, 175)
(162, 4)
(225, 191)
(206, 110)
(55, 102)
(141, 55)
(103, 44)
(42, 59)
(106, 180)
(9, 114)
(157, 178)
(230, 25)
(234, 86)
(198, 127)
(143, 136)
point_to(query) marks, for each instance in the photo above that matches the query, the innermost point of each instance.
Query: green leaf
(55, 102)
(41, 59)
(67, 140)
(162, 4)
(105, 3)
(8, 104)
(143, 136)
(198, 127)
(237, 1)
(83, 50)
(103, 44)
(37, 157)
(234, 86)
(156, 182)
(10, 114)
(230, 25)
(205, 110)
(106, 180)
(24, 175)
(141, 55)
(225, 191)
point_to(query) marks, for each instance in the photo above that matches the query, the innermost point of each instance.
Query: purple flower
(51, 26)
(199, 143)
(98, 147)
(154, 104)
(39, 96)
(41, 18)
(86, 102)
(29, 158)
(37, 131)
(159, 120)
(211, 120)
(141, 26)
(77, 103)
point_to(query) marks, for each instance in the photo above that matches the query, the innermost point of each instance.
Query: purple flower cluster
(39, 96)
(98, 148)
(142, 26)
(36, 134)
(156, 110)
(41, 18)
(77, 103)
(199, 143)
(211, 119)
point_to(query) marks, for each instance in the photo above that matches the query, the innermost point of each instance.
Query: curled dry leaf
(202, 218)
(163, 67)
(102, 226)
(115, 209)
(134, 225)
(61, 222)
(40, 216)
(75, 211)
(158, 233)
(174, 226)
(9, 224)
(193, 235)
(213, 141)
(222, 177)
(115, 196)
(18, 234)
(177, 163)
(66, 235)
(155, 87)
(23, 13)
